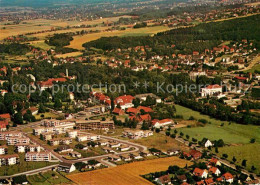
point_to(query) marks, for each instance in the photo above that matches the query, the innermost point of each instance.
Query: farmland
(127, 174)
(43, 24)
(230, 133)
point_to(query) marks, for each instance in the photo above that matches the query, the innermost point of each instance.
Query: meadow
(127, 174)
(231, 133)
(249, 152)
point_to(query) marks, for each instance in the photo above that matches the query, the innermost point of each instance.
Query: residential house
(114, 158)
(118, 111)
(214, 170)
(165, 179)
(173, 151)
(126, 157)
(195, 154)
(66, 167)
(200, 173)
(215, 162)
(124, 147)
(136, 156)
(228, 177)
(124, 101)
(207, 144)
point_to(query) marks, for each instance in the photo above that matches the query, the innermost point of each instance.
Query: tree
(225, 155)
(216, 149)
(234, 159)
(18, 118)
(57, 104)
(187, 136)
(252, 140)
(244, 163)
(41, 109)
(253, 168)
(145, 125)
(157, 130)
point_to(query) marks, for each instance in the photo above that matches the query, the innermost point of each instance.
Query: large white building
(211, 90)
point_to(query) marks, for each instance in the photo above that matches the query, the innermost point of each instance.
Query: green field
(233, 133)
(48, 178)
(249, 152)
(22, 167)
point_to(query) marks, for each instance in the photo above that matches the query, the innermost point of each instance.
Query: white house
(66, 167)
(208, 144)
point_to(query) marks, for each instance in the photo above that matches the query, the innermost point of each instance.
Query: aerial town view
(130, 92)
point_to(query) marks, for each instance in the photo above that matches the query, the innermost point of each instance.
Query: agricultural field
(127, 174)
(79, 40)
(43, 24)
(249, 152)
(230, 133)
(48, 178)
(161, 142)
(72, 54)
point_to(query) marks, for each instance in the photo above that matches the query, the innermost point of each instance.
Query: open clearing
(233, 133)
(127, 174)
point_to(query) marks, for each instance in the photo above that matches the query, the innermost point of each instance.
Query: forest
(14, 49)
(198, 38)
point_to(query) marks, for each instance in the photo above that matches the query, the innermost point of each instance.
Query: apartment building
(5, 135)
(38, 156)
(94, 125)
(17, 140)
(56, 129)
(60, 141)
(87, 137)
(9, 159)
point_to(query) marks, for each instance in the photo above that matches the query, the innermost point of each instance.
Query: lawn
(48, 178)
(249, 152)
(22, 167)
(233, 133)
(127, 174)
